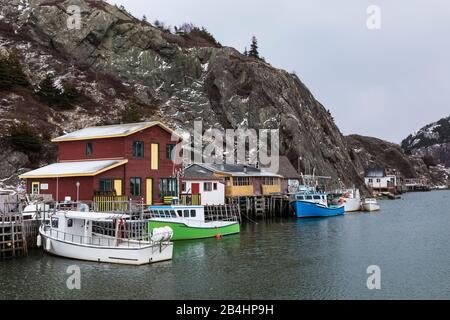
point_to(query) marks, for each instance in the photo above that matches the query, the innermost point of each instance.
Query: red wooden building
(134, 160)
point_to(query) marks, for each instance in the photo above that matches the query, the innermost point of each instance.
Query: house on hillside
(240, 180)
(377, 179)
(132, 160)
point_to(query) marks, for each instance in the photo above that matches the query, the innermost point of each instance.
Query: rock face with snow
(432, 141)
(373, 152)
(114, 60)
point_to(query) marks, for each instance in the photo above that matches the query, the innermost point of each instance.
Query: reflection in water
(284, 259)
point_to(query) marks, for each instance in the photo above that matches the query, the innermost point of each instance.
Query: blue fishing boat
(309, 203)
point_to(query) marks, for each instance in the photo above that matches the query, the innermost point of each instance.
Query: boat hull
(314, 210)
(371, 207)
(352, 204)
(131, 256)
(181, 231)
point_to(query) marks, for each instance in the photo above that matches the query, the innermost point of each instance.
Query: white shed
(211, 191)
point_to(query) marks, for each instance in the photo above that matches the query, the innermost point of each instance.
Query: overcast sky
(385, 83)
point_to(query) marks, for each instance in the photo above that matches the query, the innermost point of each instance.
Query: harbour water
(285, 259)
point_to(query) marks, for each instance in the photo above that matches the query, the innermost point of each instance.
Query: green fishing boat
(188, 222)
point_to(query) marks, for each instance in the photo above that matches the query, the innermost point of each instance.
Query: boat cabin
(194, 213)
(77, 226)
(320, 198)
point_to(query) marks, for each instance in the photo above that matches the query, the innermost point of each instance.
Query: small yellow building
(241, 180)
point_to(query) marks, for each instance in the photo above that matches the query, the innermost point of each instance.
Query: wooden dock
(262, 207)
(13, 241)
(16, 234)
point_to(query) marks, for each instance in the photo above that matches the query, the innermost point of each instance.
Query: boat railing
(98, 239)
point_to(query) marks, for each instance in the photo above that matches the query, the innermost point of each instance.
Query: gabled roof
(196, 171)
(73, 169)
(237, 170)
(111, 131)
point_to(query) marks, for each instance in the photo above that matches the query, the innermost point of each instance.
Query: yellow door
(149, 191)
(154, 156)
(118, 187)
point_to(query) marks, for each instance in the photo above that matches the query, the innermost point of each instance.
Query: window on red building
(106, 185)
(136, 187)
(89, 149)
(170, 152)
(138, 149)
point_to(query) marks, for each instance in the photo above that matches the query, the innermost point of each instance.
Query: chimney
(245, 168)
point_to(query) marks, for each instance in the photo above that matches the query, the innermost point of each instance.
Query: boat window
(186, 213)
(193, 213)
(70, 223)
(308, 197)
(317, 197)
(166, 213)
(173, 214)
(180, 213)
(55, 223)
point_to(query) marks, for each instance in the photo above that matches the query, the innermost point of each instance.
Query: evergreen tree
(48, 92)
(16, 71)
(5, 78)
(11, 72)
(246, 52)
(130, 114)
(55, 97)
(71, 93)
(254, 49)
(24, 138)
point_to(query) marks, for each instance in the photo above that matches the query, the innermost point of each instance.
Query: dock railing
(228, 212)
(100, 240)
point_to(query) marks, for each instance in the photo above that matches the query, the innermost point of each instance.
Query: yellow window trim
(154, 156)
(34, 184)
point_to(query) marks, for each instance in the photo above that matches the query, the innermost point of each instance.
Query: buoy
(218, 236)
(39, 241)
(48, 244)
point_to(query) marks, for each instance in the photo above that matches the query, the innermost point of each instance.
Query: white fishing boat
(352, 200)
(70, 234)
(370, 205)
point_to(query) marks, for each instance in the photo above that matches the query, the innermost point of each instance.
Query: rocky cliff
(114, 60)
(432, 143)
(373, 152)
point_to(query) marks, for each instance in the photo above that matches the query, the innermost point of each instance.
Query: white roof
(116, 130)
(73, 169)
(92, 216)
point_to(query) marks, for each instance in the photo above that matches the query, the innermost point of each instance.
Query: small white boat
(370, 205)
(69, 234)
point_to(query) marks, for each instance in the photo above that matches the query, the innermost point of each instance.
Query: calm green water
(291, 259)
